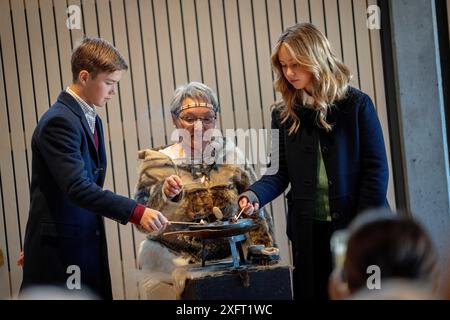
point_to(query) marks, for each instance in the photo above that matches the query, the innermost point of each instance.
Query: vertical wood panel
(5, 283)
(275, 23)
(91, 27)
(263, 53)
(15, 117)
(64, 41)
(6, 194)
(41, 90)
(363, 47)
(116, 160)
(317, 17)
(224, 88)
(140, 98)
(201, 46)
(85, 6)
(89, 19)
(192, 27)
(137, 73)
(275, 27)
(238, 87)
(380, 102)
(127, 109)
(150, 88)
(333, 26)
(128, 147)
(348, 39)
(251, 76)
(205, 50)
(152, 71)
(278, 205)
(50, 48)
(302, 8)
(9, 103)
(165, 58)
(25, 84)
(177, 42)
(288, 13)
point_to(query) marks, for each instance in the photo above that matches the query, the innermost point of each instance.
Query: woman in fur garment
(198, 178)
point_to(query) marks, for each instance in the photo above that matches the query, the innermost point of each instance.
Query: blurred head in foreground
(387, 256)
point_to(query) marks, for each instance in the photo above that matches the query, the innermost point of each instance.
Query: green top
(322, 211)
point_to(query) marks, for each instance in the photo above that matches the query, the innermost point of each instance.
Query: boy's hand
(153, 220)
(20, 259)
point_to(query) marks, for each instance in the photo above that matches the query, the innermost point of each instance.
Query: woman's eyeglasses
(190, 120)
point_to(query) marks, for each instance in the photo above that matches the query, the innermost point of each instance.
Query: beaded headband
(195, 105)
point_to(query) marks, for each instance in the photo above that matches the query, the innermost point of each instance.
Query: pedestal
(244, 283)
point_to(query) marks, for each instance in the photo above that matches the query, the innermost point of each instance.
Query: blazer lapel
(73, 105)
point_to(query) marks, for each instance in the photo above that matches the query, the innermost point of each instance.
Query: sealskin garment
(216, 182)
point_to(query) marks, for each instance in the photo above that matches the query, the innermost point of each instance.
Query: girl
(331, 153)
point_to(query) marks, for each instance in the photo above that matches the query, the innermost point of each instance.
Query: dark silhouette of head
(395, 243)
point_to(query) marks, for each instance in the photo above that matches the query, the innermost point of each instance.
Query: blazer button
(97, 232)
(335, 215)
(97, 170)
(307, 183)
(330, 183)
(324, 150)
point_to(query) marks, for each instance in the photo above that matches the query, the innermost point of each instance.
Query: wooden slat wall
(379, 99)
(223, 43)
(14, 166)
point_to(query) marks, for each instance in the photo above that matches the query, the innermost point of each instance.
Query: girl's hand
(249, 208)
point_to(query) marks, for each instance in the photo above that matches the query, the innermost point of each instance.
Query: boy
(65, 241)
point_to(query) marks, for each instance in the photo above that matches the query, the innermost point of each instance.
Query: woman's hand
(172, 186)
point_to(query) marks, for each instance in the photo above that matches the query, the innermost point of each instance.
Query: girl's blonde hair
(313, 52)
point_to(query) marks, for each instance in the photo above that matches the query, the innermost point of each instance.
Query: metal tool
(238, 216)
(184, 222)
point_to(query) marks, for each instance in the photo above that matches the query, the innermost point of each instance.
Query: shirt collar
(86, 107)
(89, 111)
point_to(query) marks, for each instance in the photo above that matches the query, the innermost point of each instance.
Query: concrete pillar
(421, 115)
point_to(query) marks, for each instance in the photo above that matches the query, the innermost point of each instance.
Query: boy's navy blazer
(65, 228)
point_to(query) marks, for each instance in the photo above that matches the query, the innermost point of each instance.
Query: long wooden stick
(182, 222)
(188, 232)
(237, 217)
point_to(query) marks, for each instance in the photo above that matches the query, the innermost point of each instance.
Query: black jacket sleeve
(374, 167)
(272, 185)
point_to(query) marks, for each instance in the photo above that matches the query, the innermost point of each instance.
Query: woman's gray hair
(196, 91)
